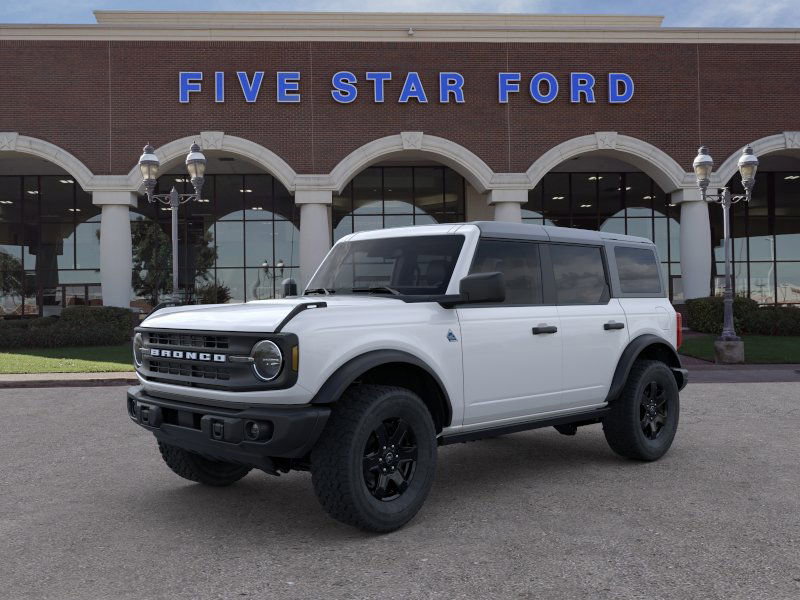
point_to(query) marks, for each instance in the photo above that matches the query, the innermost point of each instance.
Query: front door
(511, 351)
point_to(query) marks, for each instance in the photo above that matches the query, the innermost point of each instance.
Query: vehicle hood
(261, 316)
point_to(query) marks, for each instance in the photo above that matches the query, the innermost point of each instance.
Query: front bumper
(225, 434)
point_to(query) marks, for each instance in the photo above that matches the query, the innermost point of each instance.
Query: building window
(766, 240)
(239, 244)
(49, 245)
(630, 203)
(385, 197)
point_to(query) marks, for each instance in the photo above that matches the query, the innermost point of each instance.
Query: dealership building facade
(316, 125)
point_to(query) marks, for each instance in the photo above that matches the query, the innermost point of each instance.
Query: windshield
(418, 265)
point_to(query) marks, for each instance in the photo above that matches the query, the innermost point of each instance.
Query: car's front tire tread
(195, 468)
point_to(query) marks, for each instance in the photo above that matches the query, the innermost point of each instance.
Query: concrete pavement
(88, 510)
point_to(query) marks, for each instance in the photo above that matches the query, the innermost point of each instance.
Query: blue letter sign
(250, 90)
(451, 83)
(506, 83)
(615, 80)
(188, 81)
(412, 88)
(344, 90)
(288, 86)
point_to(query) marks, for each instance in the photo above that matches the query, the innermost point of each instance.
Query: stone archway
(656, 163)
(443, 151)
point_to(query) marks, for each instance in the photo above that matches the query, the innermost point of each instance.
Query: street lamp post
(703, 165)
(196, 165)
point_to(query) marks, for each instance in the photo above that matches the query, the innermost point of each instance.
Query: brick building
(319, 124)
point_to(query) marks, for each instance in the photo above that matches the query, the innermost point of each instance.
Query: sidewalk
(703, 371)
(46, 380)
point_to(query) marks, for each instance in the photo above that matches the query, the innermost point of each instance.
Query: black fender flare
(346, 374)
(660, 347)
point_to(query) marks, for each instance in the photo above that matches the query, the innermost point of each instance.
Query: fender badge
(451, 337)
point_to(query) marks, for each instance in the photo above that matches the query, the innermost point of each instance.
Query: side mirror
(289, 287)
(483, 287)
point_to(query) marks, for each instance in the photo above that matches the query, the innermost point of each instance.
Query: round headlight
(267, 360)
(138, 343)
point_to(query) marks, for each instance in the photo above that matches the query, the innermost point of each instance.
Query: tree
(152, 260)
(12, 279)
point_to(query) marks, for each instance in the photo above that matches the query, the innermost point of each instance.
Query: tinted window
(419, 265)
(638, 271)
(579, 274)
(519, 264)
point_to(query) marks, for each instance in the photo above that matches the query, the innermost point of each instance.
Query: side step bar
(584, 418)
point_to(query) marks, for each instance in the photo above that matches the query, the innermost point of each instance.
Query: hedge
(705, 315)
(77, 326)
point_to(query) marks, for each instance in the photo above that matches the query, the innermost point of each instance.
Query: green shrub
(705, 315)
(77, 326)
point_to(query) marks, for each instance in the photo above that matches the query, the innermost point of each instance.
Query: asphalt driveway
(88, 510)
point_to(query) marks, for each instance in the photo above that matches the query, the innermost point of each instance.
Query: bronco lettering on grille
(204, 356)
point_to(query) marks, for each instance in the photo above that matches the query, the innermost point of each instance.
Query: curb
(50, 382)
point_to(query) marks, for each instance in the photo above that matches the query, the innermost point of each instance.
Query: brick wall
(102, 101)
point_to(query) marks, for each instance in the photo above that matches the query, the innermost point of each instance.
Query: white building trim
(781, 142)
(656, 163)
(176, 150)
(414, 143)
(11, 141)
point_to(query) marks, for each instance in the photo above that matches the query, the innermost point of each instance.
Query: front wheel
(194, 467)
(374, 464)
(642, 422)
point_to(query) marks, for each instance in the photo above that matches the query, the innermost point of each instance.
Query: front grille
(215, 370)
(187, 369)
(188, 340)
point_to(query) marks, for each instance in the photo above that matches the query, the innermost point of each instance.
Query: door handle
(612, 325)
(544, 329)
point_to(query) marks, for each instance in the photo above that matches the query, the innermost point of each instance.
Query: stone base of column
(728, 353)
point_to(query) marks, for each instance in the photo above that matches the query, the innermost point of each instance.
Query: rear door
(593, 325)
(511, 351)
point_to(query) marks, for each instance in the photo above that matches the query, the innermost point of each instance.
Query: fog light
(252, 430)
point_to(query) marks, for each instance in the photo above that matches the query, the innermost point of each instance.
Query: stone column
(315, 231)
(508, 204)
(695, 243)
(116, 255)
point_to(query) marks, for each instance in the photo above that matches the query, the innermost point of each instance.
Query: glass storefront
(629, 203)
(766, 240)
(49, 246)
(385, 197)
(238, 244)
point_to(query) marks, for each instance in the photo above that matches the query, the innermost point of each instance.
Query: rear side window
(519, 264)
(638, 271)
(579, 274)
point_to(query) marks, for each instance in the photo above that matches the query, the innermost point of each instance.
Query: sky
(678, 13)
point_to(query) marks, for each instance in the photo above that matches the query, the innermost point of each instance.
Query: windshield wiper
(378, 289)
(321, 290)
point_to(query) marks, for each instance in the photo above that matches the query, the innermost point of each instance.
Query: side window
(638, 271)
(579, 274)
(519, 264)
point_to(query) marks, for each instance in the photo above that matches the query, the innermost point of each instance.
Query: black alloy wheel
(653, 410)
(375, 461)
(390, 459)
(642, 422)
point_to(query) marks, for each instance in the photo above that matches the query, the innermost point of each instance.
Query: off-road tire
(624, 426)
(194, 467)
(339, 468)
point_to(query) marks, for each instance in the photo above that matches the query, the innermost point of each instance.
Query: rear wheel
(643, 421)
(374, 464)
(194, 467)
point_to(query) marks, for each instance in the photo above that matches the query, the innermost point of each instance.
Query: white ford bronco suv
(408, 339)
